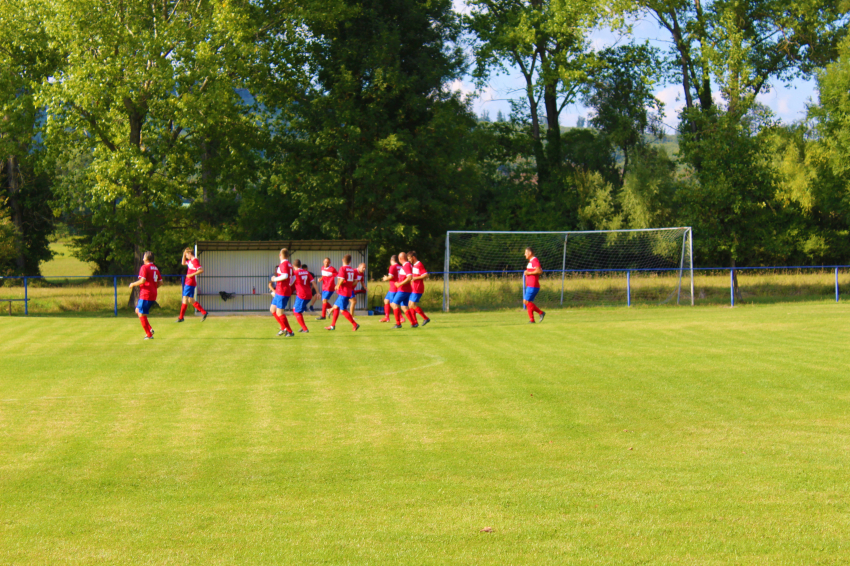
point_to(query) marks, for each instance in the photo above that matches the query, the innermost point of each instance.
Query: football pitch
(662, 435)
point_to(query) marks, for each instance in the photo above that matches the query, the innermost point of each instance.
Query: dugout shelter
(236, 274)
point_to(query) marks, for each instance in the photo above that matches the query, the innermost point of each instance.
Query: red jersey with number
(153, 279)
(328, 278)
(359, 287)
(194, 265)
(403, 272)
(532, 280)
(303, 284)
(349, 277)
(393, 273)
(419, 269)
(284, 287)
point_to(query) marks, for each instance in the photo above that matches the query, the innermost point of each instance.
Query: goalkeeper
(533, 271)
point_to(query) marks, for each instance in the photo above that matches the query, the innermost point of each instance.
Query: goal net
(486, 270)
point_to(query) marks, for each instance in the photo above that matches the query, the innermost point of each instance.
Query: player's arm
(140, 281)
(406, 280)
(421, 277)
(315, 287)
(338, 285)
(271, 287)
(198, 272)
(534, 271)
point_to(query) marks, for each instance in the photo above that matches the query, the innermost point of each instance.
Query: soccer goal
(485, 270)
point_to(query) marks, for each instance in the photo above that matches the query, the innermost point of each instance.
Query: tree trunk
(735, 289)
(13, 173)
(553, 131)
(209, 151)
(536, 142)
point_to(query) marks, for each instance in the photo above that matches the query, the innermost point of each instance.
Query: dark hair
(411, 254)
(346, 259)
(304, 265)
(529, 249)
(148, 256)
(394, 258)
(297, 263)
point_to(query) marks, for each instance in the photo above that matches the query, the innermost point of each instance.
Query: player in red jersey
(344, 290)
(304, 287)
(282, 293)
(403, 289)
(328, 285)
(418, 284)
(190, 284)
(391, 278)
(533, 271)
(359, 286)
(149, 281)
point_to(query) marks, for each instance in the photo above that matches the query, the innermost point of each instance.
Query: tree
(26, 58)
(141, 115)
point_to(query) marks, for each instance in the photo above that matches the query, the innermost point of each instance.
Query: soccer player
(533, 271)
(313, 291)
(402, 295)
(344, 290)
(328, 284)
(418, 284)
(359, 288)
(391, 276)
(190, 284)
(304, 286)
(149, 281)
(282, 292)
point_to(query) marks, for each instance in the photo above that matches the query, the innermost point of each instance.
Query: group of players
(406, 277)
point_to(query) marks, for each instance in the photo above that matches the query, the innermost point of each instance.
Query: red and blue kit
(328, 281)
(403, 272)
(303, 290)
(147, 290)
(418, 286)
(346, 290)
(532, 282)
(283, 288)
(359, 287)
(393, 273)
(191, 282)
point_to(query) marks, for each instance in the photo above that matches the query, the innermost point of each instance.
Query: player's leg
(351, 304)
(396, 309)
(531, 308)
(403, 302)
(387, 307)
(346, 312)
(298, 310)
(413, 304)
(198, 307)
(142, 309)
(183, 305)
(281, 313)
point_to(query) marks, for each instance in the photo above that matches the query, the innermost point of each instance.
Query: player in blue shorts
(533, 271)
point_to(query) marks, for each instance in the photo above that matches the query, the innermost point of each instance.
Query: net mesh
(486, 270)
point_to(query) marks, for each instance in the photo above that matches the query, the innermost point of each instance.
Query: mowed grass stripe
(673, 436)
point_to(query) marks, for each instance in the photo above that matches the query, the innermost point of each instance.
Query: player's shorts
(390, 296)
(342, 302)
(400, 298)
(279, 301)
(326, 295)
(189, 291)
(530, 293)
(415, 297)
(300, 305)
(144, 306)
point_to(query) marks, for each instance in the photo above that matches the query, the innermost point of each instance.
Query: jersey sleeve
(535, 263)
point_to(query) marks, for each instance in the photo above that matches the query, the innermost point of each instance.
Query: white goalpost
(485, 269)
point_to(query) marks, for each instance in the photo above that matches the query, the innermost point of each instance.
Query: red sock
(147, 327)
(285, 323)
(335, 316)
(420, 313)
(534, 308)
(279, 322)
(300, 318)
(199, 307)
(182, 310)
(411, 316)
(386, 312)
(530, 307)
(324, 309)
(397, 314)
(349, 318)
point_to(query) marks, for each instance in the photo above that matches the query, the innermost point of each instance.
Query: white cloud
(460, 7)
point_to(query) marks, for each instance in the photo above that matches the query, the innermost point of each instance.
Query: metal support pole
(446, 277)
(691, 253)
(115, 293)
(26, 298)
(564, 268)
(681, 267)
(836, 284)
(732, 286)
(628, 288)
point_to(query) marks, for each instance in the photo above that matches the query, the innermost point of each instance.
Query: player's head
(394, 260)
(402, 257)
(284, 254)
(361, 268)
(529, 253)
(189, 252)
(346, 259)
(148, 257)
(326, 262)
(411, 255)
(304, 266)
(297, 263)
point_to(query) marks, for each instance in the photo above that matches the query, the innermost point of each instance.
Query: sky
(788, 102)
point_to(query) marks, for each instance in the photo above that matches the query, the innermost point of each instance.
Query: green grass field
(63, 263)
(685, 436)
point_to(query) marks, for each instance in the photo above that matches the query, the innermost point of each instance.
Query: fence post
(26, 298)
(836, 284)
(115, 288)
(628, 288)
(732, 286)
